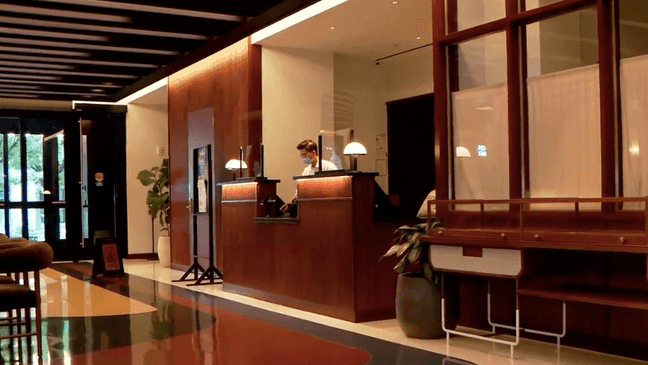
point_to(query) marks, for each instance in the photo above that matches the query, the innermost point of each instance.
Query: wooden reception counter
(324, 261)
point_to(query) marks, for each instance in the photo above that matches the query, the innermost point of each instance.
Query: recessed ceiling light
(23, 41)
(332, 28)
(394, 2)
(97, 90)
(418, 37)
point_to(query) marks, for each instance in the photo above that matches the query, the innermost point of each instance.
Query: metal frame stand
(212, 275)
(494, 325)
(558, 336)
(478, 337)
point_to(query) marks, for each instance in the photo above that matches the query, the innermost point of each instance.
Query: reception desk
(323, 261)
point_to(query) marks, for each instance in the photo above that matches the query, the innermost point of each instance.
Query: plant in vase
(418, 292)
(157, 200)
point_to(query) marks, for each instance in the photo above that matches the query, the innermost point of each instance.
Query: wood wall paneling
(228, 82)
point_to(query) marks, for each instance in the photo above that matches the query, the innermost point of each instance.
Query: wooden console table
(493, 244)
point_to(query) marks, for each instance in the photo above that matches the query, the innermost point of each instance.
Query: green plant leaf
(146, 177)
(403, 248)
(414, 254)
(402, 264)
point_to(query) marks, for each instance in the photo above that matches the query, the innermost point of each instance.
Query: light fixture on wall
(354, 149)
(235, 165)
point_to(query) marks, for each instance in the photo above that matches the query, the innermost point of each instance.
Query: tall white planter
(164, 250)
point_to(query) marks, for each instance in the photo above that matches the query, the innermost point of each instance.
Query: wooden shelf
(593, 295)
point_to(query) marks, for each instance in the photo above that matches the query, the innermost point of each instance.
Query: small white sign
(481, 150)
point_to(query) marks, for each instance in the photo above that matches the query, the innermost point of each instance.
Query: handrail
(525, 201)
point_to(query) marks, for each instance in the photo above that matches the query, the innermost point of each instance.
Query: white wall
(297, 87)
(408, 74)
(360, 105)
(146, 129)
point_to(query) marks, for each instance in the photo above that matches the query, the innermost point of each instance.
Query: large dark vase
(418, 306)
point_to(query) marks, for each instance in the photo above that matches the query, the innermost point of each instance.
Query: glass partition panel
(562, 43)
(633, 27)
(36, 219)
(15, 222)
(534, 4)
(634, 111)
(61, 168)
(564, 109)
(633, 31)
(34, 144)
(62, 224)
(480, 145)
(480, 122)
(15, 172)
(482, 61)
(471, 13)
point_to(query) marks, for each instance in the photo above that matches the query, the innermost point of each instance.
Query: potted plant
(157, 200)
(418, 292)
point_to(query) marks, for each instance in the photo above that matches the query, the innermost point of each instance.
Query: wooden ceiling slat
(47, 50)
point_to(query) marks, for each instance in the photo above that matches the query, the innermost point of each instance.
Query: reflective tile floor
(144, 318)
(190, 327)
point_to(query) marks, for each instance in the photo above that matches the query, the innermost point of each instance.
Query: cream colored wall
(409, 74)
(360, 94)
(146, 129)
(297, 99)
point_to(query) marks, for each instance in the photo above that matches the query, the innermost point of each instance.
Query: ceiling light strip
(69, 60)
(45, 92)
(34, 64)
(8, 80)
(44, 51)
(64, 13)
(29, 77)
(48, 34)
(151, 9)
(295, 18)
(71, 73)
(97, 28)
(84, 46)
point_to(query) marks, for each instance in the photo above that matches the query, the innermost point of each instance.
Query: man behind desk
(308, 152)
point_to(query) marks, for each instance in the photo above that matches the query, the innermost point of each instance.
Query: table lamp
(354, 149)
(235, 165)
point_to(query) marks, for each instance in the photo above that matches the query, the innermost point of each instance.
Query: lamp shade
(355, 148)
(235, 164)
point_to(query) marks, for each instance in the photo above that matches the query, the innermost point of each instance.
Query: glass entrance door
(32, 191)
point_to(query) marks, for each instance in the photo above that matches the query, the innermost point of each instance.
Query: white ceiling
(363, 28)
(155, 97)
